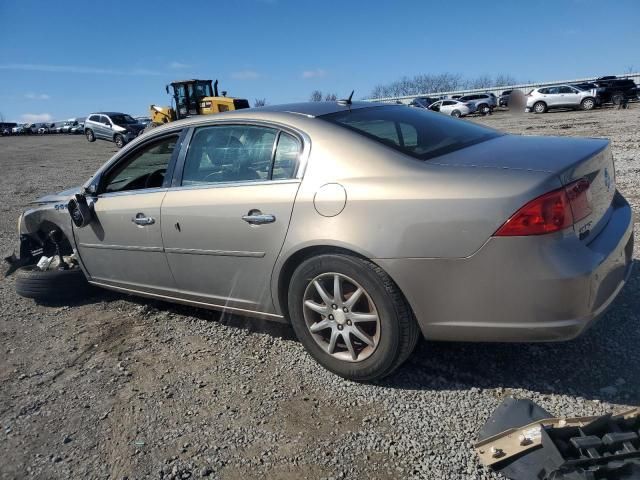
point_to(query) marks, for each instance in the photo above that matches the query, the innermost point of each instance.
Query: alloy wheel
(341, 316)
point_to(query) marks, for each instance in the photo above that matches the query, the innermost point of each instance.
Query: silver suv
(560, 96)
(484, 102)
(115, 127)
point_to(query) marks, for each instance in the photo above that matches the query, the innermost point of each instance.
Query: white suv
(560, 96)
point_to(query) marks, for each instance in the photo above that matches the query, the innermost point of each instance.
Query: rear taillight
(551, 212)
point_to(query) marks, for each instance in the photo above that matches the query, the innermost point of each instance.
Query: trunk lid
(567, 158)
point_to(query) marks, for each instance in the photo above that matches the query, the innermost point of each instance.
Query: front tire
(90, 136)
(540, 107)
(51, 285)
(456, 113)
(588, 104)
(119, 140)
(351, 317)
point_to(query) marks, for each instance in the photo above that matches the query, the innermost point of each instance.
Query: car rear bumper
(520, 289)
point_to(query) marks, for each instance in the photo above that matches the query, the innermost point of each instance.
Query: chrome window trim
(139, 191)
(246, 183)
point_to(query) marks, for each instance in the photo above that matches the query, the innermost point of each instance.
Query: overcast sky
(62, 59)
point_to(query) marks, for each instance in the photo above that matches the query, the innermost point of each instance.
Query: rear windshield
(419, 133)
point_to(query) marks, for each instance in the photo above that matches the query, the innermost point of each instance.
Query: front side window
(412, 131)
(565, 89)
(144, 168)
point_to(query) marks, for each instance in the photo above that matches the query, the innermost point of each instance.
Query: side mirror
(81, 213)
(91, 190)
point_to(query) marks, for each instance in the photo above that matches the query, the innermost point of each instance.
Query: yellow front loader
(194, 97)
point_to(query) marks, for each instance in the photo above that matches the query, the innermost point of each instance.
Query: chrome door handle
(256, 217)
(142, 219)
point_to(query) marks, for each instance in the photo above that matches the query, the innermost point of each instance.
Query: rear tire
(51, 285)
(540, 107)
(119, 140)
(393, 335)
(90, 136)
(617, 98)
(483, 108)
(456, 113)
(588, 104)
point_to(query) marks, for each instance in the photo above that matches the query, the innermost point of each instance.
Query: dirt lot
(119, 387)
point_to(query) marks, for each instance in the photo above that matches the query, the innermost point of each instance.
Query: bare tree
(630, 69)
(316, 96)
(330, 97)
(503, 79)
(443, 82)
(1, 118)
(259, 102)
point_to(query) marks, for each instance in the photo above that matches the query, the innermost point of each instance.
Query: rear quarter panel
(400, 207)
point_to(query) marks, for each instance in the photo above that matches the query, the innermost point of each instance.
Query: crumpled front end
(34, 227)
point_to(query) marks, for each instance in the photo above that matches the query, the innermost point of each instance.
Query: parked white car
(455, 108)
(560, 96)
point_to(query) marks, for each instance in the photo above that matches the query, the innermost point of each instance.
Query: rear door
(448, 106)
(552, 97)
(224, 226)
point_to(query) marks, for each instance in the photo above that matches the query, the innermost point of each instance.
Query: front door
(122, 246)
(223, 228)
(570, 96)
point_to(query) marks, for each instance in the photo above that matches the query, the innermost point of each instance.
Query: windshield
(416, 132)
(203, 90)
(123, 119)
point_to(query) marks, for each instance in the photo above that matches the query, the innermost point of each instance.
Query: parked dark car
(5, 128)
(423, 102)
(615, 90)
(503, 101)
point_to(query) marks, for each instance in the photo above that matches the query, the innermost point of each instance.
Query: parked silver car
(115, 127)
(362, 224)
(543, 99)
(483, 102)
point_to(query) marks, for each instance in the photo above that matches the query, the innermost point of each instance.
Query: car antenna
(346, 101)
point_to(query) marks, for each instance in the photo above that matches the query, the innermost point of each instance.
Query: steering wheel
(155, 179)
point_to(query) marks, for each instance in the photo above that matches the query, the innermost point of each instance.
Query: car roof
(315, 109)
(108, 113)
(277, 113)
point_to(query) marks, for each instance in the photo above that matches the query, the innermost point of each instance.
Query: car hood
(135, 127)
(58, 197)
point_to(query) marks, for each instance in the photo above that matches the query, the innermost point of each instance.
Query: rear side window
(230, 153)
(415, 132)
(94, 118)
(285, 161)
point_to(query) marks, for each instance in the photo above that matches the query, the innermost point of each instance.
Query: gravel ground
(119, 387)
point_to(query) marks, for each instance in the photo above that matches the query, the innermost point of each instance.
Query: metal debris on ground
(523, 442)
